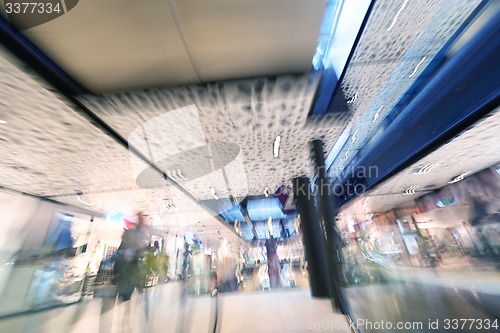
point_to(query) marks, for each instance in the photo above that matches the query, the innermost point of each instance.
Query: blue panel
(234, 213)
(261, 209)
(246, 231)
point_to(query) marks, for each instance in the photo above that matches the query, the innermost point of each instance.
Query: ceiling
(52, 150)
(126, 44)
(199, 92)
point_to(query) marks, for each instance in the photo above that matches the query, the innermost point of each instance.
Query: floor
(167, 308)
(283, 311)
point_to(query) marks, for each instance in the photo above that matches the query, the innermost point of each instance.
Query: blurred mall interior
(249, 166)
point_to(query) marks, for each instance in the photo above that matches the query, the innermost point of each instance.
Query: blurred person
(226, 267)
(95, 258)
(296, 225)
(237, 227)
(156, 248)
(263, 276)
(303, 266)
(187, 255)
(240, 263)
(255, 274)
(286, 274)
(273, 262)
(129, 271)
(170, 247)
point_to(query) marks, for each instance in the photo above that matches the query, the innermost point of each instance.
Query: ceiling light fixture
(352, 100)
(266, 191)
(397, 15)
(410, 190)
(375, 117)
(214, 194)
(83, 202)
(276, 147)
(416, 67)
(425, 169)
(3, 121)
(346, 155)
(459, 177)
(169, 204)
(369, 217)
(176, 175)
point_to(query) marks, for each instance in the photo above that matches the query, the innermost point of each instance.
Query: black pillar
(327, 214)
(312, 238)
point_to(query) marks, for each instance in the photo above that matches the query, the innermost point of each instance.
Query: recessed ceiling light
(425, 169)
(354, 136)
(346, 155)
(276, 146)
(214, 193)
(83, 202)
(352, 100)
(410, 190)
(397, 15)
(375, 117)
(176, 174)
(416, 67)
(459, 177)
(168, 204)
(369, 217)
(3, 121)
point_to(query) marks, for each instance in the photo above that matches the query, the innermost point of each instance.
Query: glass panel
(428, 259)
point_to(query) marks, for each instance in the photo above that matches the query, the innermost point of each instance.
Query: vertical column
(327, 214)
(250, 224)
(312, 238)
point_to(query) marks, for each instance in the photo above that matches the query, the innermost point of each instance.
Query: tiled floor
(169, 310)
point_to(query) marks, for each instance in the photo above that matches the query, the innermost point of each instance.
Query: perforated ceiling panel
(243, 115)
